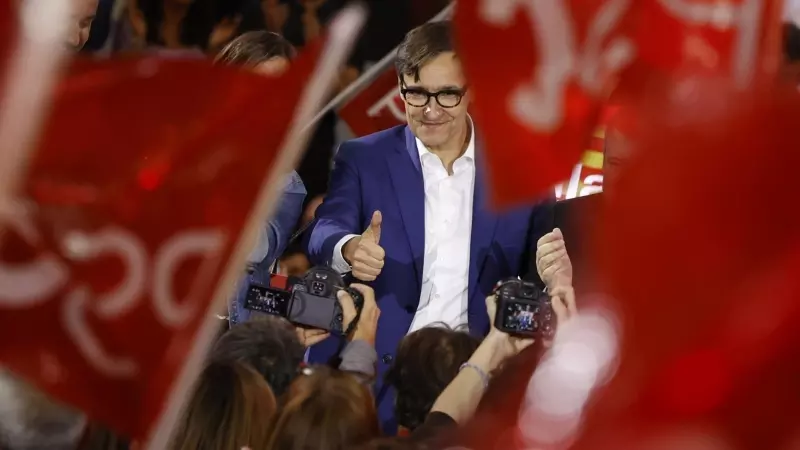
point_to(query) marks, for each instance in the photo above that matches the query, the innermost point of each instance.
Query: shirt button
(387, 358)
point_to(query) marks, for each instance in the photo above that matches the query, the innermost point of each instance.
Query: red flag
(146, 173)
(539, 71)
(377, 107)
(740, 39)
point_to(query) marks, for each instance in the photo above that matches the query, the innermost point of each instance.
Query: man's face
(432, 123)
(617, 152)
(83, 12)
(272, 67)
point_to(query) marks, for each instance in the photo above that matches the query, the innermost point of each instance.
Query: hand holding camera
(366, 326)
(310, 302)
(522, 309)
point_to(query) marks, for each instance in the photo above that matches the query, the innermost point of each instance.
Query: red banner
(377, 107)
(538, 100)
(146, 172)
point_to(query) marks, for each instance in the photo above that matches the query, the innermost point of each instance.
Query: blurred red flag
(146, 172)
(706, 354)
(705, 274)
(539, 72)
(740, 39)
(377, 107)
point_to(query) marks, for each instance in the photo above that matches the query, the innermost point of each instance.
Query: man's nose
(432, 109)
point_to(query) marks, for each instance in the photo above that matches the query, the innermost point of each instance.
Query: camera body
(523, 309)
(309, 301)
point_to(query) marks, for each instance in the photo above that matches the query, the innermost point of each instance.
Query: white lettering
(207, 244)
(388, 102)
(540, 103)
(723, 15)
(592, 184)
(40, 281)
(74, 316)
(28, 285)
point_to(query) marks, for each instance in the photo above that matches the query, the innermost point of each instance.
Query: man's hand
(310, 336)
(552, 260)
(367, 326)
(563, 300)
(363, 253)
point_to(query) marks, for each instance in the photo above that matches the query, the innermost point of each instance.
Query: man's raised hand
(364, 253)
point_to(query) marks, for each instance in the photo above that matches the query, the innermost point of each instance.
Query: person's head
(427, 360)
(30, 420)
(791, 51)
(231, 408)
(619, 141)
(266, 343)
(325, 409)
(264, 52)
(82, 16)
(429, 69)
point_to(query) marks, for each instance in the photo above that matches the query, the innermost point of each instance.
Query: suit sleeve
(339, 214)
(542, 221)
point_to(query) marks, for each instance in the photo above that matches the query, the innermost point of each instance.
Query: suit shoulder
(382, 140)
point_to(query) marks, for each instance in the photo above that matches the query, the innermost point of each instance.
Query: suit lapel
(409, 188)
(484, 223)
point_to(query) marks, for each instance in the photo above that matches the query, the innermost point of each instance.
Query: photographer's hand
(311, 336)
(511, 345)
(563, 300)
(367, 324)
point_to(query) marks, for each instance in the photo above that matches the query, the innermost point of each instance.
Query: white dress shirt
(448, 231)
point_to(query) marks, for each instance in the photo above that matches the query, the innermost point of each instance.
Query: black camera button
(387, 358)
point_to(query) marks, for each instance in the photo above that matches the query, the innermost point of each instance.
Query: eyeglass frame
(405, 90)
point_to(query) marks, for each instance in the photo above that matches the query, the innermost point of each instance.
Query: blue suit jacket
(382, 172)
(274, 237)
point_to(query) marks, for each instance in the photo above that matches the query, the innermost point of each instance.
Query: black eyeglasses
(447, 98)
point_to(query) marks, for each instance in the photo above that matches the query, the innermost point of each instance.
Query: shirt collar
(469, 153)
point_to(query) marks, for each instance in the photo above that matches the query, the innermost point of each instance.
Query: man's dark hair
(255, 47)
(427, 361)
(268, 344)
(791, 43)
(421, 45)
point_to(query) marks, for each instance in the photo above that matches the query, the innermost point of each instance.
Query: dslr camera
(309, 301)
(523, 309)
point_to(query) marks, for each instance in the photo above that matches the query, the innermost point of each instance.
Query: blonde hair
(325, 409)
(232, 407)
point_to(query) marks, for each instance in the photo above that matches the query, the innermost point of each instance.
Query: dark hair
(791, 42)
(421, 45)
(231, 407)
(427, 360)
(195, 29)
(325, 409)
(255, 47)
(268, 344)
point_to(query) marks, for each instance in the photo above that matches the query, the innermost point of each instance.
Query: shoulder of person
(367, 145)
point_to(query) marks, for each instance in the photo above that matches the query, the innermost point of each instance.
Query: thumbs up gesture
(552, 260)
(364, 253)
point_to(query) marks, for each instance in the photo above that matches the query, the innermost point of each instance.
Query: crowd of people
(402, 217)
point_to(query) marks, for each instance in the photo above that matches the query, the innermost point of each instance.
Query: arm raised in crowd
(461, 397)
(339, 215)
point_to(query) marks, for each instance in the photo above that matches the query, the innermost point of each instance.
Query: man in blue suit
(407, 210)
